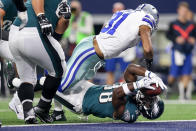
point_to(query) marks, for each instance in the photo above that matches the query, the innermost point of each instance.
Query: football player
(120, 101)
(34, 45)
(125, 29)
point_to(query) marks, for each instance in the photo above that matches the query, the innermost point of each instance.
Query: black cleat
(58, 116)
(11, 74)
(43, 115)
(30, 117)
(31, 121)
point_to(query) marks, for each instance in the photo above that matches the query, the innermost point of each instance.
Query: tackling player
(125, 29)
(32, 46)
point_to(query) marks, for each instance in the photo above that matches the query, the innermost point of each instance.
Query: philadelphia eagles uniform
(87, 98)
(121, 33)
(10, 15)
(40, 49)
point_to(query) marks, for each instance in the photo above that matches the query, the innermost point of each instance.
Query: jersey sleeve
(6, 4)
(148, 20)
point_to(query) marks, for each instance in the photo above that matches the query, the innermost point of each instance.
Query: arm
(145, 34)
(119, 101)
(132, 72)
(2, 14)
(20, 5)
(60, 28)
(38, 6)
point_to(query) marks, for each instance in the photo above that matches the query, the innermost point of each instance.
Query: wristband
(126, 89)
(40, 14)
(57, 36)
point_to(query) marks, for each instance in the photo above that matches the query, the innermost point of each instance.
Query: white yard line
(96, 123)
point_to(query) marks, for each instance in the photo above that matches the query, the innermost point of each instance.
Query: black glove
(63, 10)
(148, 63)
(46, 26)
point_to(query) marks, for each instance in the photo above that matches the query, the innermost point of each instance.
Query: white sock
(181, 90)
(57, 106)
(189, 90)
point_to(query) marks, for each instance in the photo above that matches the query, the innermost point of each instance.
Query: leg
(83, 64)
(58, 113)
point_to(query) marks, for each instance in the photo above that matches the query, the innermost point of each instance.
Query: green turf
(172, 112)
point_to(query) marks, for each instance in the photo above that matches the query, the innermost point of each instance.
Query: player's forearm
(38, 6)
(119, 100)
(132, 72)
(62, 25)
(20, 5)
(145, 34)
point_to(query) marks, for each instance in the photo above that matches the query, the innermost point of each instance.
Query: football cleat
(58, 116)
(11, 74)
(43, 115)
(30, 117)
(16, 106)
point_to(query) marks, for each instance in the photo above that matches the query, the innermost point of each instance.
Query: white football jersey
(122, 32)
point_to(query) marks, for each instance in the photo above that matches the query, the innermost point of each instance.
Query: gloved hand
(144, 83)
(46, 26)
(63, 10)
(158, 80)
(148, 63)
(24, 19)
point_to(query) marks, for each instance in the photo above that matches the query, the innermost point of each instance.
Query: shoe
(11, 74)
(43, 115)
(30, 117)
(16, 106)
(58, 116)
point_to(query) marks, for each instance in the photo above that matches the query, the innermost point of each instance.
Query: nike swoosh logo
(16, 110)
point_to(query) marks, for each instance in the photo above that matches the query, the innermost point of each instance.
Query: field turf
(173, 111)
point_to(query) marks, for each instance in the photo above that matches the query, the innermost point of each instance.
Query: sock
(189, 90)
(26, 95)
(181, 90)
(57, 106)
(50, 87)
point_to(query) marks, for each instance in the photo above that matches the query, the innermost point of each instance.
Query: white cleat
(16, 106)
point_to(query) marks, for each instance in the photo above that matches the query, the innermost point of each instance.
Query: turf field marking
(97, 123)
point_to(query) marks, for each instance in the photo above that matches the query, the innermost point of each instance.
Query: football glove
(46, 26)
(144, 83)
(63, 10)
(24, 19)
(157, 80)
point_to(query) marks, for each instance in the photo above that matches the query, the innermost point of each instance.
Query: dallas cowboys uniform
(121, 33)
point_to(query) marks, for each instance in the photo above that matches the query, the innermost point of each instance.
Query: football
(149, 92)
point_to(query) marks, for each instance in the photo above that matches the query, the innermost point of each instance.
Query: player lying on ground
(121, 101)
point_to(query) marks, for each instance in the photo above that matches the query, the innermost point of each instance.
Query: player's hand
(24, 19)
(46, 26)
(144, 83)
(148, 63)
(157, 79)
(63, 10)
